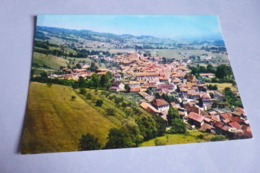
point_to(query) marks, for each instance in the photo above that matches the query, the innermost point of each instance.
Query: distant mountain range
(44, 32)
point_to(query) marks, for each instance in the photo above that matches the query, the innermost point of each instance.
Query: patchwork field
(55, 123)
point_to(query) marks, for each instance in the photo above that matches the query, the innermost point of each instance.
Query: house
(218, 96)
(146, 96)
(215, 118)
(207, 75)
(239, 112)
(206, 128)
(206, 101)
(247, 133)
(191, 107)
(220, 128)
(226, 118)
(176, 80)
(192, 79)
(195, 119)
(117, 77)
(161, 105)
(193, 94)
(146, 76)
(149, 108)
(73, 76)
(234, 125)
(117, 87)
(134, 84)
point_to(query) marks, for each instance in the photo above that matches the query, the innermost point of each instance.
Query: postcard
(126, 81)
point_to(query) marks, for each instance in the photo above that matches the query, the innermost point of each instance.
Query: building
(161, 105)
(117, 87)
(195, 119)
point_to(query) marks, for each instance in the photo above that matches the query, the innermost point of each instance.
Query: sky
(181, 27)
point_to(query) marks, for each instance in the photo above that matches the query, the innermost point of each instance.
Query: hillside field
(55, 123)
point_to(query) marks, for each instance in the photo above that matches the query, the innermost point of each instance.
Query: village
(150, 80)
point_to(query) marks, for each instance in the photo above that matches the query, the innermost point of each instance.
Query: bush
(89, 96)
(88, 142)
(111, 111)
(218, 138)
(99, 103)
(73, 98)
(82, 91)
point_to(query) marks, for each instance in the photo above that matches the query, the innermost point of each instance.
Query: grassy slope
(192, 137)
(55, 123)
(50, 60)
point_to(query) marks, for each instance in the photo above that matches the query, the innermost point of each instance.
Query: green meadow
(55, 123)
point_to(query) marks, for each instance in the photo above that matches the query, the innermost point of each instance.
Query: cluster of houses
(193, 100)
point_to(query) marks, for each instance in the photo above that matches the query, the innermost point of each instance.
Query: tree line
(44, 48)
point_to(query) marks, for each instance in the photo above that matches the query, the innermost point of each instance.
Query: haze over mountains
(125, 40)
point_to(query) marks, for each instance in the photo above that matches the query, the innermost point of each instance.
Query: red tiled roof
(235, 125)
(207, 119)
(226, 116)
(160, 102)
(240, 110)
(247, 132)
(176, 80)
(135, 90)
(205, 127)
(238, 120)
(215, 118)
(193, 93)
(196, 117)
(146, 74)
(225, 128)
(219, 125)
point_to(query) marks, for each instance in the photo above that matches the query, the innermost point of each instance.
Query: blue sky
(182, 27)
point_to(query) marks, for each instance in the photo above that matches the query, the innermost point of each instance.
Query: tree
(75, 85)
(157, 95)
(118, 100)
(147, 126)
(111, 111)
(164, 60)
(32, 73)
(88, 142)
(73, 98)
(119, 138)
(172, 114)
(78, 66)
(44, 76)
(178, 126)
(93, 67)
(127, 88)
(133, 131)
(223, 71)
(99, 102)
(82, 91)
(81, 82)
(161, 125)
(95, 80)
(89, 96)
(210, 69)
(105, 80)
